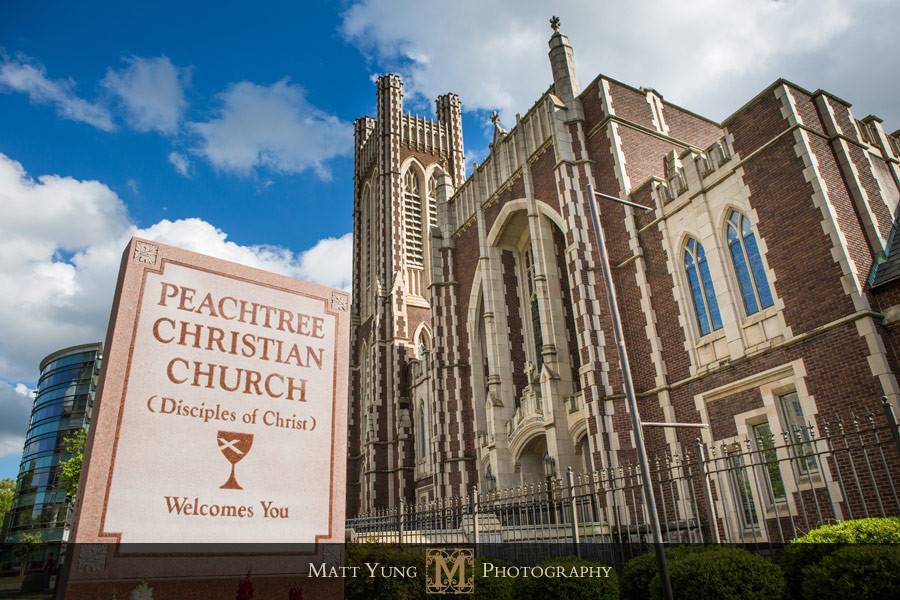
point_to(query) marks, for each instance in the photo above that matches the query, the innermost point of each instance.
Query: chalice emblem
(234, 446)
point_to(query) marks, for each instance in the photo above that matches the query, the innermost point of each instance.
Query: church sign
(221, 414)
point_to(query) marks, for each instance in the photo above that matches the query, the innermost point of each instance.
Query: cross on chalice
(234, 446)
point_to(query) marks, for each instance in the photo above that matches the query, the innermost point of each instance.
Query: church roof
(887, 265)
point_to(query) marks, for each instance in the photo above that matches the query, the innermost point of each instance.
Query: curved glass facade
(62, 405)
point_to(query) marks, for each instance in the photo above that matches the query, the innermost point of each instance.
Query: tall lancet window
(415, 211)
(422, 432)
(366, 240)
(412, 214)
(748, 267)
(703, 294)
(531, 299)
(432, 201)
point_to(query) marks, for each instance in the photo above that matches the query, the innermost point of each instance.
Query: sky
(226, 127)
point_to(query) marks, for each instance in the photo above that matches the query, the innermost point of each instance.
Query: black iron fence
(759, 489)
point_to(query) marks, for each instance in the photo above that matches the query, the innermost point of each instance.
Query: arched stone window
(422, 431)
(366, 390)
(366, 240)
(747, 263)
(703, 295)
(412, 215)
(532, 306)
(423, 343)
(432, 200)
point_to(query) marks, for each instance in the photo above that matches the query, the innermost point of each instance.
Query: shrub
(364, 587)
(492, 588)
(639, 571)
(858, 531)
(722, 573)
(817, 544)
(858, 572)
(553, 588)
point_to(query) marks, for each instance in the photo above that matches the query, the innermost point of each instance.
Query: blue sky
(236, 42)
(226, 127)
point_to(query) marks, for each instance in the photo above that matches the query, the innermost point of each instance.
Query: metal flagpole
(618, 334)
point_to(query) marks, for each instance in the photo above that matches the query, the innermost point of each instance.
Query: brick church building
(759, 292)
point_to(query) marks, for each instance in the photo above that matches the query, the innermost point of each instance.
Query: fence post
(707, 493)
(570, 481)
(892, 420)
(400, 523)
(474, 510)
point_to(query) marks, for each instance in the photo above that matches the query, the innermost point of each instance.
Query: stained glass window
(703, 294)
(748, 267)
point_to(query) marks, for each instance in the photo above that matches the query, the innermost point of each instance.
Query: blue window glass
(703, 294)
(696, 292)
(747, 264)
(742, 271)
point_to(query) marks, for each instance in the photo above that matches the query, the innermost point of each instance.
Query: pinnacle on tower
(562, 64)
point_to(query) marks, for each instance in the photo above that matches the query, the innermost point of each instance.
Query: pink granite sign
(221, 413)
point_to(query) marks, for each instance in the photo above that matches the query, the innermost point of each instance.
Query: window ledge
(758, 316)
(414, 300)
(711, 337)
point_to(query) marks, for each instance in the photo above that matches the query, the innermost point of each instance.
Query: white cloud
(329, 262)
(61, 240)
(181, 163)
(272, 127)
(151, 91)
(21, 75)
(709, 55)
(15, 408)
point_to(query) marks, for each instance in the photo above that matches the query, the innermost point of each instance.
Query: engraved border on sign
(140, 294)
(339, 301)
(145, 253)
(92, 558)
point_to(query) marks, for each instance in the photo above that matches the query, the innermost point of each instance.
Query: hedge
(884, 530)
(492, 588)
(811, 548)
(724, 574)
(552, 588)
(639, 571)
(385, 588)
(857, 572)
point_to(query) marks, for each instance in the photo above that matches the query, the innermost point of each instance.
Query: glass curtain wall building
(62, 405)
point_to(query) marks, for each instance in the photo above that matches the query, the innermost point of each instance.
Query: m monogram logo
(449, 571)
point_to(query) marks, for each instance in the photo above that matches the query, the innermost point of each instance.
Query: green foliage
(7, 492)
(70, 469)
(553, 588)
(858, 572)
(25, 548)
(364, 587)
(811, 548)
(492, 588)
(858, 531)
(724, 574)
(640, 571)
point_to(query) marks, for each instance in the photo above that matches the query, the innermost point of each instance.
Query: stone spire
(562, 63)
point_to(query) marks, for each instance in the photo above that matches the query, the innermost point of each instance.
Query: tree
(25, 547)
(7, 492)
(70, 469)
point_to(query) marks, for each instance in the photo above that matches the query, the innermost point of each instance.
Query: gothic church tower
(399, 160)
